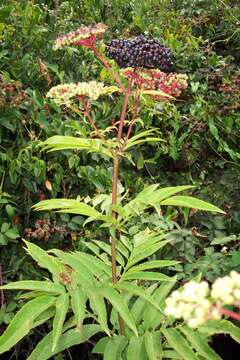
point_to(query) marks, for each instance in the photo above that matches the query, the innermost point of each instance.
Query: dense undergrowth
(200, 129)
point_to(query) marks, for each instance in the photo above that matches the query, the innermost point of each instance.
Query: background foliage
(201, 129)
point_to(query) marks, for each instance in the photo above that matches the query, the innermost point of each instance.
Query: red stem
(92, 122)
(1, 291)
(115, 179)
(229, 313)
(114, 194)
(134, 115)
(108, 67)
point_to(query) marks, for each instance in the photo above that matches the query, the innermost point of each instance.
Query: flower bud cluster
(196, 302)
(85, 35)
(65, 94)
(171, 84)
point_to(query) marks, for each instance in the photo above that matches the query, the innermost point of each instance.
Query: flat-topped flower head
(85, 35)
(155, 80)
(66, 94)
(196, 303)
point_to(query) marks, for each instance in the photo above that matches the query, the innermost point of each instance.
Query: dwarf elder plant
(115, 287)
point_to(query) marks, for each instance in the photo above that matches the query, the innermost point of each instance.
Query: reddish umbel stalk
(108, 67)
(134, 115)
(229, 313)
(86, 113)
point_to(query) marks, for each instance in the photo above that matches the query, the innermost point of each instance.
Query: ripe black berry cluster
(140, 52)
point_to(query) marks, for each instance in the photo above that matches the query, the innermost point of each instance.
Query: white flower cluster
(226, 290)
(84, 32)
(65, 94)
(196, 303)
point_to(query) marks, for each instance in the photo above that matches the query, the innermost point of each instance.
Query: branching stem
(106, 64)
(114, 190)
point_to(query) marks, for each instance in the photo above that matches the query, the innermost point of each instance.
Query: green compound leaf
(179, 343)
(114, 347)
(61, 307)
(78, 304)
(153, 345)
(117, 301)
(23, 321)
(199, 343)
(67, 205)
(221, 327)
(70, 142)
(43, 350)
(191, 202)
(136, 349)
(45, 286)
(44, 259)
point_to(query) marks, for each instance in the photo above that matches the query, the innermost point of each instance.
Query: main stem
(115, 179)
(114, 192)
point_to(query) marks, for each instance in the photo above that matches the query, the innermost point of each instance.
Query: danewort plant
(115, 287)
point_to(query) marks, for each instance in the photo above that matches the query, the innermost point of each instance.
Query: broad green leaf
(78, 304)
(69, 142)
(153, 264)
(80, 271)
(136, 349)
(140, 304)
(145, 251)
(107, 248)
(126, 242)
(191, 202)
(96, 251)
(66, 205)
(61, 307)
(143, 134)
(116, 300)
(171, 354)
(100, 346)
(179, 343)
(121, 248)
(166, 192)
(137, 290)
(43, 317)
(151, 196)
(45, 286)
(162, 292)
(153, 345)
(151, 317)
(140, 202)
(43, 350)
(199, 344)
(221, 327)
(23, 321)
(44, 259)
(96, 266)
(115, 347)
(99, 307)
(146, 275)
(142, 141)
